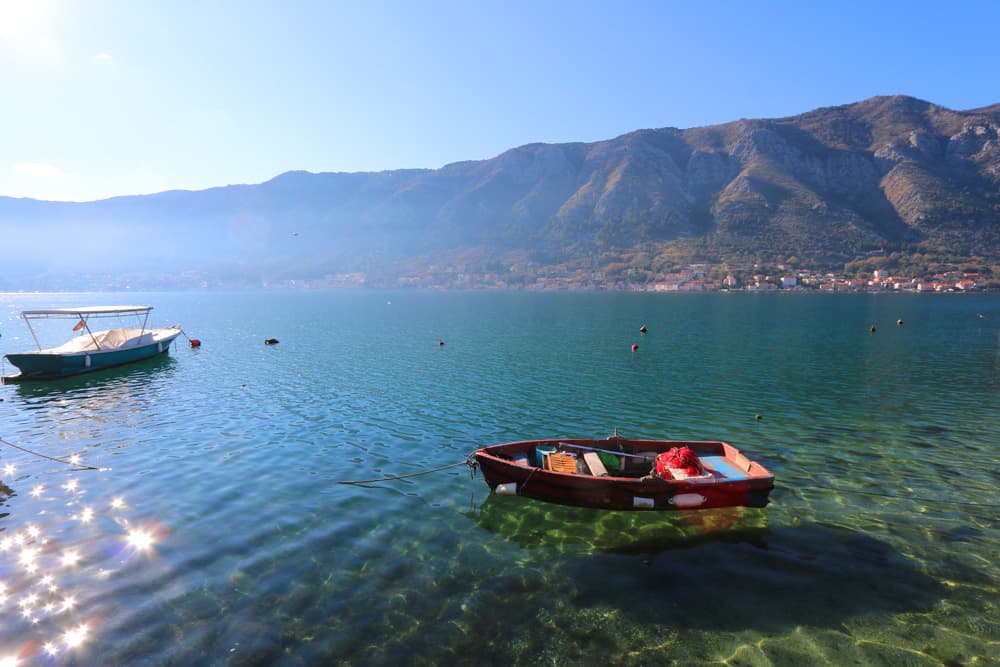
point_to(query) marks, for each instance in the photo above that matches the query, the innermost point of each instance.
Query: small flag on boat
(79, 325)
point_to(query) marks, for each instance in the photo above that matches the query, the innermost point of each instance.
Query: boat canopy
(87, 312)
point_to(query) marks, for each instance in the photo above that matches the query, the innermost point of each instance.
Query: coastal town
(694, 278)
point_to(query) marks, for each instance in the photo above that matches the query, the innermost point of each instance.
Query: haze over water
(216, 533)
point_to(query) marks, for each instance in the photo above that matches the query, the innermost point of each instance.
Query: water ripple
(217, 532)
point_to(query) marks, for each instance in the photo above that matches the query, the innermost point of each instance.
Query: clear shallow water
(217, 534)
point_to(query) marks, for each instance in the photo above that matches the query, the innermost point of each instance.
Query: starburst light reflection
(27, 558)
(76, 636)
(140, 540)
(9, 469)
(43, 559)
(70, 557)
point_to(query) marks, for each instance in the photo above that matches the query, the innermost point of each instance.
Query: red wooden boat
(622, 474)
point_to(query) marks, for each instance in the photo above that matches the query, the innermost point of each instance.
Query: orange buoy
(195, 342)
(270, 341)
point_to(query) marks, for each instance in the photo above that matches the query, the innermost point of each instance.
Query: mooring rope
(469, 461)
(79, 466)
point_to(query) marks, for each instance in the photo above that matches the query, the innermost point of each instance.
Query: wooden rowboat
(622, 474)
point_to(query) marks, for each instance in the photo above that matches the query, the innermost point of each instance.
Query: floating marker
(635, 346)
(194, 342)
(642, 329)
(270, 341)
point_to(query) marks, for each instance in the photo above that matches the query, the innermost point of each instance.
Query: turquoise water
(215, 531)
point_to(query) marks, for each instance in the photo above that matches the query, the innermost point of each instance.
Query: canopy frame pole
(89, 332)
(33, 335)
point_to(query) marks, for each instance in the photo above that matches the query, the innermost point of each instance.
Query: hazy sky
(102, 98)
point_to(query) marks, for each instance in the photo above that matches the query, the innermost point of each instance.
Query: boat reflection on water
(81, 412)
(116, 380)
(536, 524)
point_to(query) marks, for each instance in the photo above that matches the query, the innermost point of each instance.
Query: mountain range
(887, 182)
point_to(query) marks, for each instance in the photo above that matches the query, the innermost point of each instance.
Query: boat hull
(736, 481)
(50, 366)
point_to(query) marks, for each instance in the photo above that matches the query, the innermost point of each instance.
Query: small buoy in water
(899, 322)
(270, 341)
(635, 346)
(759, 417)
(642, 329)
(873, 328)
(195, 342)
(440, 342)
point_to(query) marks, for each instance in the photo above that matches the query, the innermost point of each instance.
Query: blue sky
(104, 98)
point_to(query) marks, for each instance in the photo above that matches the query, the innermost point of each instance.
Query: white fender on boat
(508, 489)
(643, 503)
(687, 500)
(86, 360)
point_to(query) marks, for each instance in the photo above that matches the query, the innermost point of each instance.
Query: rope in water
(412, 474)
(470, 461)
(79, 466)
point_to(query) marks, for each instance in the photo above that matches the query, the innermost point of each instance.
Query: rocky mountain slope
(887, 176)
